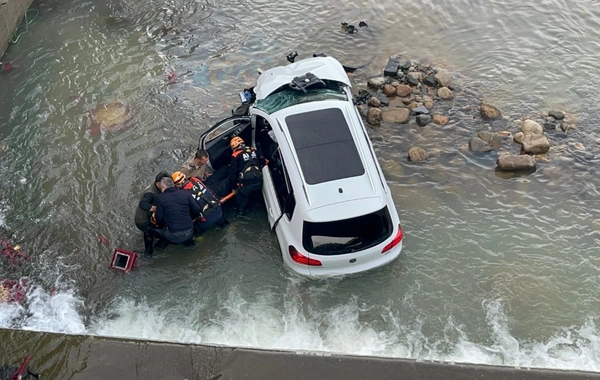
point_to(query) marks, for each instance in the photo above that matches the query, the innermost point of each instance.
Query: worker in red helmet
(245, 175)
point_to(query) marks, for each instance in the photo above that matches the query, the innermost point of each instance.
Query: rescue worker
(209, 203)
(197, 166)
(147, 207)
(245, 176)
(175, 215)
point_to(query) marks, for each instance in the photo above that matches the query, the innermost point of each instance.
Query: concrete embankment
(11, 14)
(59, 356)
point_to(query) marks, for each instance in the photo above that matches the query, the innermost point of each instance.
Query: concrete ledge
(60, 356)
(11, 15)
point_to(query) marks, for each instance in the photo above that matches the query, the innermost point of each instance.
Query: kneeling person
(209, 203)
(176, 211)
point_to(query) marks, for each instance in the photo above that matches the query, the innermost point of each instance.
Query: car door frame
(223, 138)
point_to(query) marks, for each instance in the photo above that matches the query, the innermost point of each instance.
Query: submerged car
(326, 196)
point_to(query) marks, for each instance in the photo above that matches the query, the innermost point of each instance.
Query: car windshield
(289, 97)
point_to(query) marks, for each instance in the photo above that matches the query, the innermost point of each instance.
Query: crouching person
(209, 203)
(175, 212)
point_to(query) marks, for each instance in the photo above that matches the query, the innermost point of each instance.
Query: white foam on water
(58, 311)
(343, 329)
(267, 322)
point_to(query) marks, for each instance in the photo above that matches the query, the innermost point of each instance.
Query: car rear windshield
(348, 235)
(325, 147)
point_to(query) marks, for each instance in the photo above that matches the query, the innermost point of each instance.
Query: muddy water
(495, 270)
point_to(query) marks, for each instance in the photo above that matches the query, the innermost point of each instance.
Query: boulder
(512, 162)
(389, 90)
(423, 119)
(396, 115)
(374, 116)
(558, 115)
(376, 83)
(491, 138)
(535, 144)
(374, 102)
(441, 119)
(445, 93)
(444, 78)
(530, 126)
(420, 110)
(478, 145)
(403, 90)
(416, 154)
(489, 112)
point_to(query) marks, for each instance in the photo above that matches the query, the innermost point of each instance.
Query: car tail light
(301, 259)
(396, 241)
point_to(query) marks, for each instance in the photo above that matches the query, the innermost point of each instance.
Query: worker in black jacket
(147, 206)
(175, 215)
(245, 176)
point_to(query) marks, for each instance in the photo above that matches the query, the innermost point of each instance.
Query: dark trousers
(182, 237)
(218, 182)
(216, 217)
(243, 192)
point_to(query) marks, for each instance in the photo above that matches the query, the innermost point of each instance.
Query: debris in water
(171, 78)
(104, 240)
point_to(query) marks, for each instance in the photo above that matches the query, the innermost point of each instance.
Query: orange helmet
(178, 178)
(235, 142)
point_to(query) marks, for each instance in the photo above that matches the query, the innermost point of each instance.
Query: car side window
(283, 187)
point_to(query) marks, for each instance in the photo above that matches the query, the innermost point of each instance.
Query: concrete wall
(11, 15)
(58, 356)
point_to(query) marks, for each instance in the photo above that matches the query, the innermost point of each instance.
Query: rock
(478, 145)
(444, 78)
(374, 102)
(416, 75)
(558, 115)
(412, 81)
(374, 116)
(420, 110)
(578, 146)
(535, 144)
(376, 83)
(489, 112)
(530, 126)
(504, 134)
(518, 137)
(445, 93)
(362, 110)
(423, 119)
(405, 65)
(491, 138)
(511, 162)
(413, 105)
(430, 81)
(389, 90)
(416, 154)
(428, 104)
(396, 115)
(566, 127)
(406, 100)
(403, 90)
(441, 119)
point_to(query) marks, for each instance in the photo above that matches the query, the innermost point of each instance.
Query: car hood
(323, 67)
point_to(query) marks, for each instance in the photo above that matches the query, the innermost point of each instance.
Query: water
(495, 270)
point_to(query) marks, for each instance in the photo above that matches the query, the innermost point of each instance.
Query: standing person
(197, 166)
(209, 203)
(147, 206)
(245, 176)
(175, 214)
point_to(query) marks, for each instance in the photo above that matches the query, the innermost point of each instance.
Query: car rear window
(348, 235)
(324, 145)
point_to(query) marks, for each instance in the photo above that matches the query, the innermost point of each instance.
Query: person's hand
(153, 208)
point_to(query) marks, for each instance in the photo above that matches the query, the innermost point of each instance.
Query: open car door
(216, 139)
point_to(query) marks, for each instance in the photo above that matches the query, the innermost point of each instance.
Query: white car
(326, 197)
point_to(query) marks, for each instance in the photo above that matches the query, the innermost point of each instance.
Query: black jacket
(176, 210)
(245, 160)
(147, 200)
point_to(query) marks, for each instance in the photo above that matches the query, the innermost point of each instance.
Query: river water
(494, 270)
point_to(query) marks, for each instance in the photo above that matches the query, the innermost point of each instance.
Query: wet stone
(420, 110)
(416, 154)
(516, 162)
(558, 115)
(423, 120)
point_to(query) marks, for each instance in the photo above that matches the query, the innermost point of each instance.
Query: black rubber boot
(148, 243)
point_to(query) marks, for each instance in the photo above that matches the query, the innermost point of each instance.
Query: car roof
(357, 177)
(325, 68)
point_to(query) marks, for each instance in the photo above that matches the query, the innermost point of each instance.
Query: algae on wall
(11, 14)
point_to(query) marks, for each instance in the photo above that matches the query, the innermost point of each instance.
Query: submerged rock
(488, 111)
(416, 154)
(516, 162)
